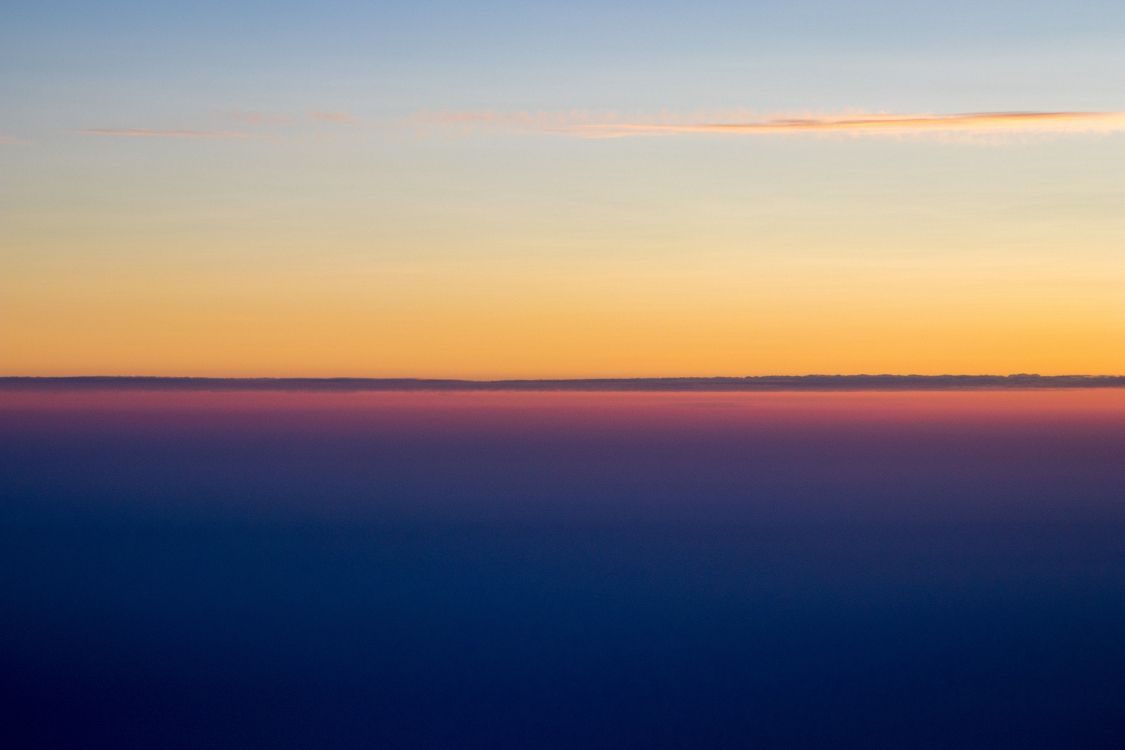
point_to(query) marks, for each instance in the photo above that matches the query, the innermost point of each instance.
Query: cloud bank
(750, 383)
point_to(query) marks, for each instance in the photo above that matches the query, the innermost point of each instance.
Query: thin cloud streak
(880, 124)
(214, 135)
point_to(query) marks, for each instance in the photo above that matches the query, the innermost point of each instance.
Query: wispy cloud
(339, 118)
(592, 125)
(214, 135)
(10, 140)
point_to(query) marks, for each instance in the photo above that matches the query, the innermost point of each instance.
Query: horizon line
(812, 381)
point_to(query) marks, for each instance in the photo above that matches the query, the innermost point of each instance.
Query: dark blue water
(398, 582)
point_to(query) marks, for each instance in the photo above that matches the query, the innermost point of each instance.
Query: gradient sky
(444, 189)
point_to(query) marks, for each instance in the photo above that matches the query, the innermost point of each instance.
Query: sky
(487, 190)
